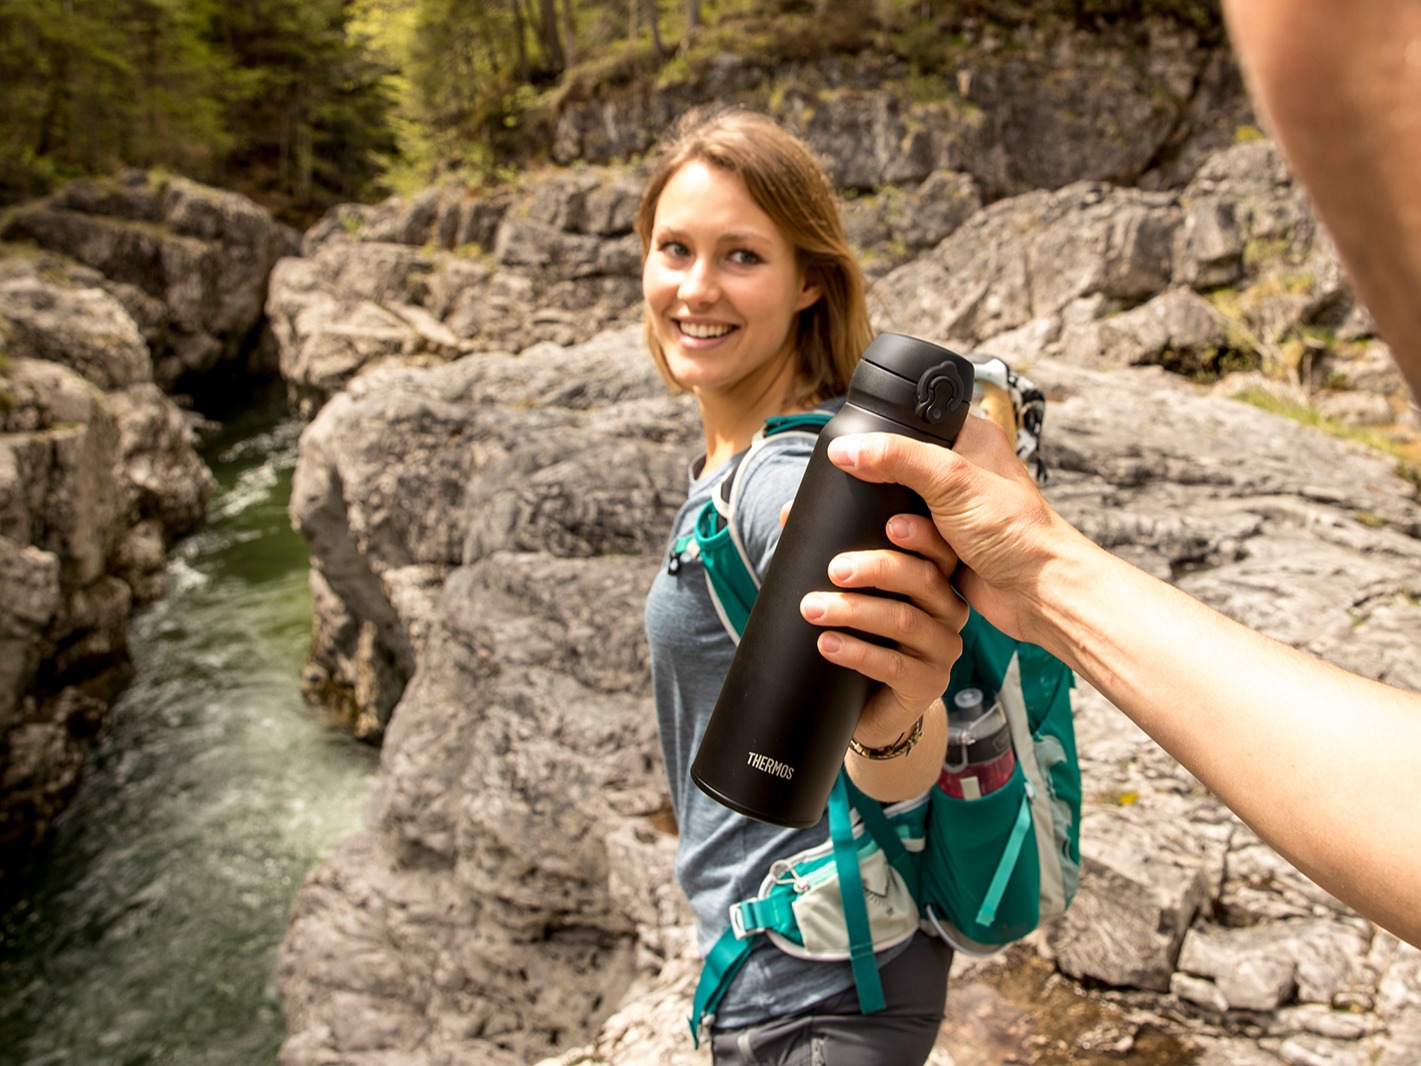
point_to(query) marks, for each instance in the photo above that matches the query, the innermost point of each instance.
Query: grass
(1402, 446)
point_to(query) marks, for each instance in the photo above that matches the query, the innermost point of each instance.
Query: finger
(915, 682)
(985, 441)
(923, 583)
(784, 512)
(882, 457)
(936, 473)
(891, 571)
(919, 535)
(908, 627)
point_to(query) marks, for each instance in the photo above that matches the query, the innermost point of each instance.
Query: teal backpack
(980, 873)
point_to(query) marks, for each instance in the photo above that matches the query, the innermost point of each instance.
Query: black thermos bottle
(779, 731)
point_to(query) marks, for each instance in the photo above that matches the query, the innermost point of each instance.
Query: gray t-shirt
(723, 856)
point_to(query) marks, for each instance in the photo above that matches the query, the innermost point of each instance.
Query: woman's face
(722, 285)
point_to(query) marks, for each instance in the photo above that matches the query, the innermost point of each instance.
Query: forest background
(302, 104)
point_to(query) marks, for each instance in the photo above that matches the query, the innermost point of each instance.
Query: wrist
(876, 741)
(1076, 610)
(1063, 587)
(901, 746)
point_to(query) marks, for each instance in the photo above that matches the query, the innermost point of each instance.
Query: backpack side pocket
(980, 873)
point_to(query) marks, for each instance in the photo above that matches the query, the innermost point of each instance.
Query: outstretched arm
(1338, 84)
(1321, 763)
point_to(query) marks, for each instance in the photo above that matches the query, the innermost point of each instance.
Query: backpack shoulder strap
(716, 537)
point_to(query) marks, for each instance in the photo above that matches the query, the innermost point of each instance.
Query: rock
(63, 622)
(1177, 329)
(61, 440)
(359, 299)
(64, 317)
(137, 282)
(200, 254)
(1138, 895)
(165, 479)
(1031, 256)
(1051, 108)
(546, 491)
(30, 594)
(536, 726)
(1251, 969)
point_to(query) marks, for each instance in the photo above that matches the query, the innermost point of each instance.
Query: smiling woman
(723, 288)
(755, 306)
(737, 205)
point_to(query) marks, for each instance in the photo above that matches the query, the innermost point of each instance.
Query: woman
(755, 306)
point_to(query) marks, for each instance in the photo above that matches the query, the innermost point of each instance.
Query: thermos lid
(908, 357)
(916, 383)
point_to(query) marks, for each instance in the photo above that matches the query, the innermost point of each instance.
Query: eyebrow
(730, 237)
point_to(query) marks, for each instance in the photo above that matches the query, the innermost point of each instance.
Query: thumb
(934, 472)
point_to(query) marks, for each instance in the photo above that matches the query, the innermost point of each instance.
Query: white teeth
(703, 332)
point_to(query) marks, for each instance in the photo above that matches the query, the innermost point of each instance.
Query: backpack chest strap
(760, 915)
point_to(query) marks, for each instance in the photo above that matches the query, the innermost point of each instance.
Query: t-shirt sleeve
(772, 477)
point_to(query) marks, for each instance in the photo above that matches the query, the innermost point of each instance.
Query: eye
(673, 249)
(744, 257)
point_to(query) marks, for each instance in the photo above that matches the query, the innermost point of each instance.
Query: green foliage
(307, 103)
(273, 97)
(88, 85)
(1210, 362)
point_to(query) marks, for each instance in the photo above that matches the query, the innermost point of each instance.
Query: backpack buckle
(737, 922)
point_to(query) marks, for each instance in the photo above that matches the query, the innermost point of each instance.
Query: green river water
(149, 932)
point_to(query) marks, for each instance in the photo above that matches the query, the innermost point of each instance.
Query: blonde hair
(788, 184)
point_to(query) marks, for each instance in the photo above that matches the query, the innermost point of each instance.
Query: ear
(809, 293)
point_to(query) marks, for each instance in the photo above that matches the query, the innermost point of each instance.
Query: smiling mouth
(703, 331)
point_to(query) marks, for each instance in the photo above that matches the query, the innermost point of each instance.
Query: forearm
(1321, 763)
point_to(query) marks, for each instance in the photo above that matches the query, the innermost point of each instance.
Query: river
(149, 933)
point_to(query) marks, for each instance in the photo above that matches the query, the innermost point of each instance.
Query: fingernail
(840, 570)
(899, 528)
(812, 607)
(830, 643)
(844, 452)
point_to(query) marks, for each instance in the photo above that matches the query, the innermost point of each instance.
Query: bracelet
(905, 743)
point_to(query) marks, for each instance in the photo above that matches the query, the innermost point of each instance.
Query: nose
(699, 284)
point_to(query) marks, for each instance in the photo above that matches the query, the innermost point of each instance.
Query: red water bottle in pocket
(980, 758)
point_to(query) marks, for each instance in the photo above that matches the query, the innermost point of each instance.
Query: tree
(308, 107)
(653, 16)
(569, 30)
(693, 23)
(274, 98)
(635, 10)
(549, 37)
(520, 35)
(88, 85)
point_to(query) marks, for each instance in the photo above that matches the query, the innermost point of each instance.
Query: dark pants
(833, 1032)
